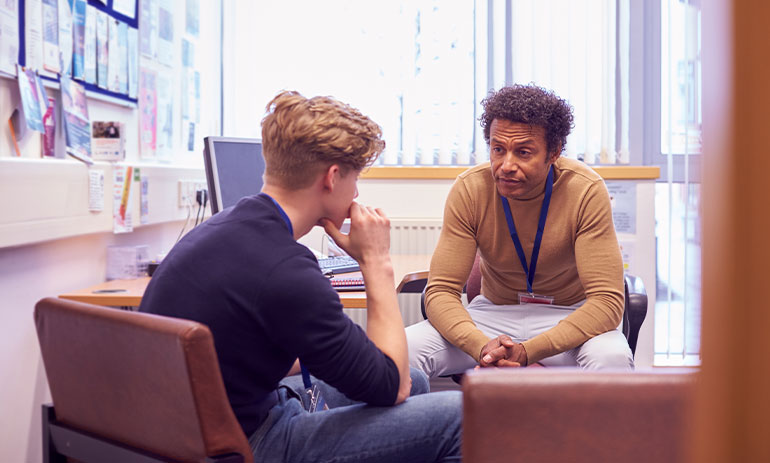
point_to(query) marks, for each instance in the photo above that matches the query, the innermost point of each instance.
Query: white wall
(27, 274)
(48, 268)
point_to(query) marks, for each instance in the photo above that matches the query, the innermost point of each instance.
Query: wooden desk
(121, 293)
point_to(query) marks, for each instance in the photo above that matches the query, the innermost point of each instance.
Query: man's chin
(508, 191)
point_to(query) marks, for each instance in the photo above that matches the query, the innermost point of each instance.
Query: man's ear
(555, 154)
(330, 177)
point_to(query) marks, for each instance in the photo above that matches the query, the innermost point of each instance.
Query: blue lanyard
(285, 217)
(282, 212)
(530, 273)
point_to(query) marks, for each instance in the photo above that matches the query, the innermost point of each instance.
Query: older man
(552, 274)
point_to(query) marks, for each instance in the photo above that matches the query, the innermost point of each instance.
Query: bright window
(420, 68)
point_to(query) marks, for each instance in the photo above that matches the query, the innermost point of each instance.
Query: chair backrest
(556, 414)
(635, 310)
(473, 285)
(146, 381)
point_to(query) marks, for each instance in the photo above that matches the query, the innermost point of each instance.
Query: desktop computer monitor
(234, 168)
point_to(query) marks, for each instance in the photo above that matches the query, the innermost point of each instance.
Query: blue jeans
(425, 428)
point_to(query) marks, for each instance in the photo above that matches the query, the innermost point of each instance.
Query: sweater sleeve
(600, 267)
(449, 269)
(306, 319)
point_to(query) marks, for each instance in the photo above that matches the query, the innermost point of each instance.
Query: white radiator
(414, 236)
(407, 236)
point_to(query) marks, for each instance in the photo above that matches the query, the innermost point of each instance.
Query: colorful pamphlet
(77, 126)
(79, 37)
(107, 141)
(33, 98)
(49, 123)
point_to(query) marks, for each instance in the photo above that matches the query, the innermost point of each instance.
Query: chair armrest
(413, 282)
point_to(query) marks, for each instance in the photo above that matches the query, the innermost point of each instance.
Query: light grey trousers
(434, 355)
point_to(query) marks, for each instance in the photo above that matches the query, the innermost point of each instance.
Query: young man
(264, 298)
(552, 274)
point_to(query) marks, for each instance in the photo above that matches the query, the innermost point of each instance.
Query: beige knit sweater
(579, 258)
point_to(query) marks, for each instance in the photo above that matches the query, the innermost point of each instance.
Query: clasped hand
(502, 351)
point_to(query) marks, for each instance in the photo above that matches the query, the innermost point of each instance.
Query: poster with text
(89, 46)
(51, 36)
(79, 39)
(165, 112)
(65, 36)
(9, 36)
(148, 110)
(148, 28)
(623, 200)
(166, 32)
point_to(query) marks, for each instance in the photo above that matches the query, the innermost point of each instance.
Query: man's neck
(300, 205)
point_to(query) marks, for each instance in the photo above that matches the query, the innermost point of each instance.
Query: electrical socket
(187, 189)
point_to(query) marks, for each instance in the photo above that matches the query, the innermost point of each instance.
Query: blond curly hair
(302, 137)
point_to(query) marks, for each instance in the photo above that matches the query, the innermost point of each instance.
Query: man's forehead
(520, 129)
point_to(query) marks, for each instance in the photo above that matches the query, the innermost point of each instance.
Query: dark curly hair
(533, 105)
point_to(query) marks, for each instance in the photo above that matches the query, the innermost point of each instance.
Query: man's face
(519, 158)
(345, 191)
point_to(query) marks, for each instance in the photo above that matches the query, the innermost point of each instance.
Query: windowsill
(451, 172)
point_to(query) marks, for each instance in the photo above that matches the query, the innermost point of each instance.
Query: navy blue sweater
(266, 302)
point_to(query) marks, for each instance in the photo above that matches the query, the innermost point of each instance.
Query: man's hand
(369, 243)
(503, 352)
(369, 237)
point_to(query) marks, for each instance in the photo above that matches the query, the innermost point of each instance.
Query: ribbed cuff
(476, 341)
(537, 348)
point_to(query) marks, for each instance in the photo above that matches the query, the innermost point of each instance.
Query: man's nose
(509, 162)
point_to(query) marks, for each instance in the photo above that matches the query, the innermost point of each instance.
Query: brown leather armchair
(556, 414)
(130, 386)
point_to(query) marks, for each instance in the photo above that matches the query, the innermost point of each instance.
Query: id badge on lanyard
(529, 271)
(315, 401)
(527, 298)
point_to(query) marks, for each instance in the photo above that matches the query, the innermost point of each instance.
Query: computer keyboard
(338, 264)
